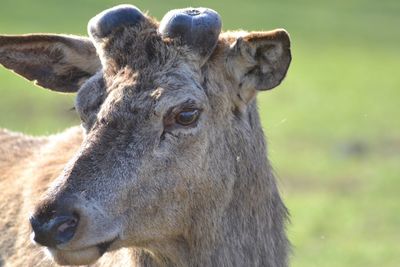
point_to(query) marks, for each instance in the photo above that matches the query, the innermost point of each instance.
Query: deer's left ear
(259, 61)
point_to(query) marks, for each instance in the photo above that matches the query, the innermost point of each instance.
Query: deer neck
(248, 227)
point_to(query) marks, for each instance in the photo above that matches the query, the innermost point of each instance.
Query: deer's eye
(187, 117)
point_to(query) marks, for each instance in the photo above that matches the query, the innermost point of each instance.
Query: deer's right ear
(57, 62)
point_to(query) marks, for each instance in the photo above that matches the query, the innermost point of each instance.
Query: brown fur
(203, 195)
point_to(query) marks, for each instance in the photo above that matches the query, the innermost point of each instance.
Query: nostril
(70, 223)
(66, 229)
(57, 230)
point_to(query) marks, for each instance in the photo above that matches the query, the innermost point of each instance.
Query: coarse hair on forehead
(142, 49)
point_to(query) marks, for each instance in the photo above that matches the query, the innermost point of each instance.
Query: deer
(169, 166)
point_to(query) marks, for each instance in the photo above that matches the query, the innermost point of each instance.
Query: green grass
(333, 126)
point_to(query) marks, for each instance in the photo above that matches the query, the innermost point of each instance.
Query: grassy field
(333, 126)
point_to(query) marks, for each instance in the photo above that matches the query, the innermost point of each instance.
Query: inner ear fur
(58, 62)
(259, 61)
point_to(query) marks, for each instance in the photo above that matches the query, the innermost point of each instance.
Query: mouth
(82, 256)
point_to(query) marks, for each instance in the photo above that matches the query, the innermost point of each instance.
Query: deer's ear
(259, 61)
(57, 62)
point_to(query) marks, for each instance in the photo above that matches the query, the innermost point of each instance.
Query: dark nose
(54, 229)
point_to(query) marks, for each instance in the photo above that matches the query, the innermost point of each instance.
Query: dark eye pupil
(187, 117)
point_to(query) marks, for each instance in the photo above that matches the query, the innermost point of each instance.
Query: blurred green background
(333, 126)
